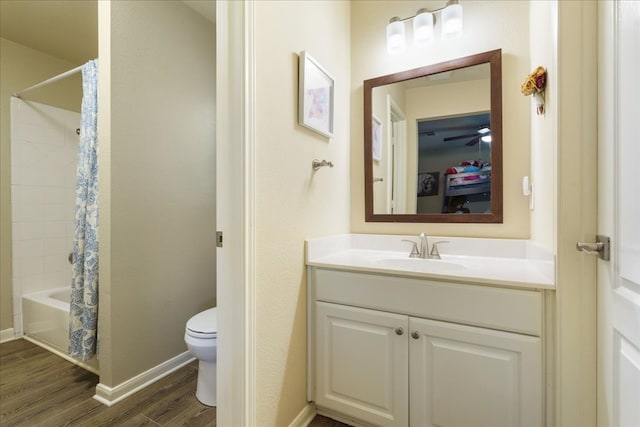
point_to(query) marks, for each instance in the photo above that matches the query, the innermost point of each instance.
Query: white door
(619, 214)
(399, 195)
(398, 159)
(468, 376)
(362, 364)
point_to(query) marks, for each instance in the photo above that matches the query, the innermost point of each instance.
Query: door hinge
(219, 239)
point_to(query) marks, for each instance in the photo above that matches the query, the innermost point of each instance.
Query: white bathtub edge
(44, 297)
(7, 335)
(111, 395)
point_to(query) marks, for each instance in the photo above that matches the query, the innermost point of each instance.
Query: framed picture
(376, 129)
(428, 184)
(315, 96)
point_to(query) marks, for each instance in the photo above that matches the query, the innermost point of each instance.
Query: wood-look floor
(38, 388)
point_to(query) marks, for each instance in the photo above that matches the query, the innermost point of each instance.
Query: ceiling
(206, 8)
(451, 133)
(66, 29)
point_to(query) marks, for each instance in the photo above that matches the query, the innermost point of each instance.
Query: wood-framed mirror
(433, 143)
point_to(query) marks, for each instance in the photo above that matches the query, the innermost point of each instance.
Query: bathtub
(45, 317)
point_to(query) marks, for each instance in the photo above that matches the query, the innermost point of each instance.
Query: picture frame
(315, 96)
(376, 139)
(428, 184)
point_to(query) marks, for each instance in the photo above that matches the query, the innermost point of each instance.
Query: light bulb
(452, 21)
(423, 28)
(486, 138)
(395, 36)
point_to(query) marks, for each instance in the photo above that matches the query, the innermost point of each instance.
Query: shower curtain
(83, 319)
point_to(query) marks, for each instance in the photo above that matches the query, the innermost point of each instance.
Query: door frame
(235, 210)
(575, 331)
(397, 181)
(576, 201)
(606, 71)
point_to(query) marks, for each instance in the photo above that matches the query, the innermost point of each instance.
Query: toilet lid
(205, 322)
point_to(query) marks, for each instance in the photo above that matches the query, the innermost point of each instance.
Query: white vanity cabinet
(363, 363)
(466, 376)
(400, 351)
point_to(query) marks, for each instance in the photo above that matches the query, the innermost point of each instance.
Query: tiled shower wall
(44, 147)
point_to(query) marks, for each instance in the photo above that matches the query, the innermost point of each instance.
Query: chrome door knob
(601, 248)
(415, 335)
(399, 331)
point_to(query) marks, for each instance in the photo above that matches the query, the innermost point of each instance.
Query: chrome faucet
(419, 251)
(435, 253)
(424, 245)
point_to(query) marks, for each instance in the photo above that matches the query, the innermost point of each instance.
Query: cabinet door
(362, 363)
(473, 377)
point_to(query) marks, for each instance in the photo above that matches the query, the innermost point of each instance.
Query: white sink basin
(420, 265)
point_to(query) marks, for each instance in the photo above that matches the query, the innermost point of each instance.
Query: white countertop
(507, 262)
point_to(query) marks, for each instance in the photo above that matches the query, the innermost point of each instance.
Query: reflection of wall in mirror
(441, 101)
(376, 139)
(383, 169)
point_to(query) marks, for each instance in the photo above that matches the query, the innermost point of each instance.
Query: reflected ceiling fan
(483, 134)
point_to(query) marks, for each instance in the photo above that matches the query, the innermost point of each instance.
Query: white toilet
(201, 336)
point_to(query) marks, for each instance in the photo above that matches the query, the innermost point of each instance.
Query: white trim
(306, 415)
(7, 335)
(311, 327)
(235, 147)
(111, 395)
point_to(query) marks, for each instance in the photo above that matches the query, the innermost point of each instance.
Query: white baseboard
(7, 335)
(111, 395)
(305, 416)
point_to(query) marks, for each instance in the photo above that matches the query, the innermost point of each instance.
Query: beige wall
(292, 202)
(157, 181)
(487, 25)
(21, 67)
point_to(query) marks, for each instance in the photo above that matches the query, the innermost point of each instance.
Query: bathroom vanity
(398, 341)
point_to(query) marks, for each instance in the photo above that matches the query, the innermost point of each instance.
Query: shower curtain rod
(51, 80)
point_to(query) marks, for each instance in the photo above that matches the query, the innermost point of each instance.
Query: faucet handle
(435, 253)
(415, 253)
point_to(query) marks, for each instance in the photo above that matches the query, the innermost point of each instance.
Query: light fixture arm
(423, 26)
(423, 10)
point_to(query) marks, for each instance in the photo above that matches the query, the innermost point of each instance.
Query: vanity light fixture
(423, 23)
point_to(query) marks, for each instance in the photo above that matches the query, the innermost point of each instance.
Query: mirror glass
(433, 143)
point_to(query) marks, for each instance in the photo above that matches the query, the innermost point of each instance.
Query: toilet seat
(204, 324)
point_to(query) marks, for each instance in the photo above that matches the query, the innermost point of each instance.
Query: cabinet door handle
(415, 335)
(399, 331)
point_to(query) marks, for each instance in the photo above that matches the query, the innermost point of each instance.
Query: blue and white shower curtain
(83, 319)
